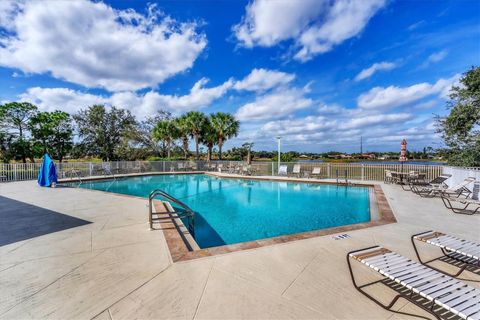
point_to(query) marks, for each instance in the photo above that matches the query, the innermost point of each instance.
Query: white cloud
(437, 56)
(94, 45)
(277, 104)
(68, 100)
(372, 120)
(330, 109)
(310, 124)
(434, 58)
(199, 96)
(393, 96)
(315, 26)
(266, 23)
(380, 66)
(262, 79)
(320, 131)
(140, 104)
(7, 13)
(427, 104)
(416, 25)
(346, 19)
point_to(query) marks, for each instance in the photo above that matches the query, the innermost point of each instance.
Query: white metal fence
(356, 171)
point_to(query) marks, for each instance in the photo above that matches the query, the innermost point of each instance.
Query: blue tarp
(47, 174)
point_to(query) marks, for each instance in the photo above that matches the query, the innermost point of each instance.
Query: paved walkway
(89, 254)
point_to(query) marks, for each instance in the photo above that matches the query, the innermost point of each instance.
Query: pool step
(162, 207)
(173, 227)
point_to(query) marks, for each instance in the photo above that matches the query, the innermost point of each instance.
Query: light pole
(279, 138)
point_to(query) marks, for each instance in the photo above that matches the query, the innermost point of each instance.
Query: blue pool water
(237, 210)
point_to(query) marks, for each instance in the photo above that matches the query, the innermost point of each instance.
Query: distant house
(336, 156)
(367, 156)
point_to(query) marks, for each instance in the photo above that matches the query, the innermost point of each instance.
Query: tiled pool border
(181, 251)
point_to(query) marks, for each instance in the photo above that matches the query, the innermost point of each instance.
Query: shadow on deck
(21, 221)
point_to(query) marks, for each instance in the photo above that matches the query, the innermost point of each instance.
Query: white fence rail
(356, 171)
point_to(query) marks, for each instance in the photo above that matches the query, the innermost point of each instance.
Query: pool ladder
(346, 177)
(187, 213)
(74, 173)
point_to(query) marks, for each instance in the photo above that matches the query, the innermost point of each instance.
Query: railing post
(150, 212)
(273, 168)
(363, 172)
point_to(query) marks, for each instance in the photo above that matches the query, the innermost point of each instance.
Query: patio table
(402, 175)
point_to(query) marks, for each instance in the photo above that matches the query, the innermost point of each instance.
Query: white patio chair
(316, 172)
(282, 170)
(297, 170)
(463, 253)
(419, 282)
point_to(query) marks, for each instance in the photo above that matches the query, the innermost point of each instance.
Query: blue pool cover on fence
(47, 174)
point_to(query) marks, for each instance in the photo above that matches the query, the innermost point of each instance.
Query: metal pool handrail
(189, 213)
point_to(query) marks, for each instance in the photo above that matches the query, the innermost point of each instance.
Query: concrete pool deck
(78, 254)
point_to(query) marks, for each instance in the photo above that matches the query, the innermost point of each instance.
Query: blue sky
(319, 73)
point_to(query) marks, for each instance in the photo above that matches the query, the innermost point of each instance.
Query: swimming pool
(230, 211)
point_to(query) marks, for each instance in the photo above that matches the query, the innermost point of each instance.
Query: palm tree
(181, 123)
(165, 130)
(196, 122)
(226, 127)
(209, 138)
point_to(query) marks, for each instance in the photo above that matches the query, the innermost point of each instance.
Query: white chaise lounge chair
(458, 190)
(440, 292)
(282, 170)
(316, 172)
(465, 254)
(297, 170)
(463, 206)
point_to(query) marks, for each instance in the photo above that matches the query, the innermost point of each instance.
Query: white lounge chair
(297, 170)
(460, 189)
(464, 253)
(464, 206)
(316, 172)
(282, 170)
(437, 190)
(439, 291)
(388, 176)
(435, 184)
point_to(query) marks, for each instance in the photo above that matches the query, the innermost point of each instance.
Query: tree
(196, 122)
(54, 131)
(183, 131)
(209, 138)
(61, 141)
(167, 131)
(41, 127)
(6, 147)
(102, 131)
(16, 116)
(145, 133)
(225, 126)
(460, 129)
